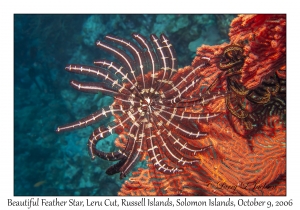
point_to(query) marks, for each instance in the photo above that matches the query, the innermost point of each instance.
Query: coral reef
(49, 164)
(249, 137)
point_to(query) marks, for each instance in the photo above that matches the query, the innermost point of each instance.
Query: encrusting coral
(248, 138)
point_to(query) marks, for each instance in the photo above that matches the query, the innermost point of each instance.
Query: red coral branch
(265, 45)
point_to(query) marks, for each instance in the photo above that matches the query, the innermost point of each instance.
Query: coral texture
(248, 138)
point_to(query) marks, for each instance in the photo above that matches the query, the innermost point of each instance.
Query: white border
(8, 8)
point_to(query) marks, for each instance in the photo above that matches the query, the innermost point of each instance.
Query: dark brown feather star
(151, 104)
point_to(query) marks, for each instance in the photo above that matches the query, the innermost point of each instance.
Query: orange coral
(232, 168)
(264, 39)
(249, 153)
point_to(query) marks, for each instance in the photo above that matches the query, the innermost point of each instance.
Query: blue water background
(47, 163)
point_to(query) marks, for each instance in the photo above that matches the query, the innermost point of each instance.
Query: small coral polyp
(152, 104)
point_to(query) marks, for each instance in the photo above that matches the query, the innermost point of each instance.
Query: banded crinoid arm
(109, 85)
(152, 104)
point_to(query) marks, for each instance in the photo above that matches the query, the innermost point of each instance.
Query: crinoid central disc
(145, 104)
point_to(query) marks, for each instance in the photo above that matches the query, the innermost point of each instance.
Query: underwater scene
(146, 104)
